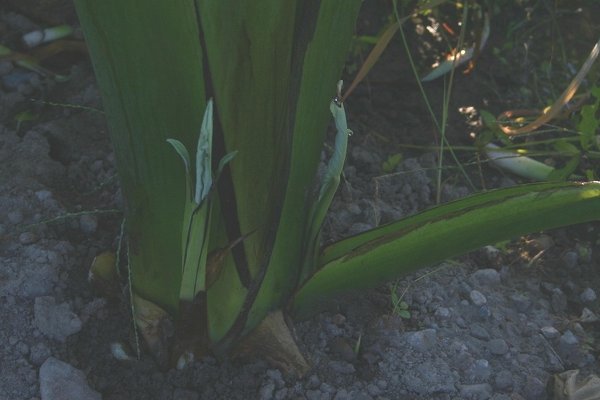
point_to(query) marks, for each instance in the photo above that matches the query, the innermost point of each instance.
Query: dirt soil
(498, 324)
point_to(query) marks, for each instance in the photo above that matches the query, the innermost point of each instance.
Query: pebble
(43, 195)
(88, 224)
(27, 238)
(479, 332)
(266, 391)
(480, 391)
(342, 367)
(477, 298)
(15, 217)
(497, 347)
(55, 321)
(503, 381)
(571, 259)
(520, 302)
(568, 339)
(480, 370)
(442, 313)
(422, 340)
(59, 381)
(486, 276)
(534, 388)
(588, 296)
(550, 332)
(342, 348)
(558, 301)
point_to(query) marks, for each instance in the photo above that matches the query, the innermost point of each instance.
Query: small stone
(266, 392)
(59, 381)
(88, 224)
(27, 238)
(442, 313)
(486, 276)
(570, 259)
(479, 332)
(342, 348)
(520, 302)
(43, 195)
(480, 370)
(480, 391)
(503, 381)
(588, 315)
(534, 388)
(568, 339)
(23, 348)
(550, 332)
(55, 321)
(15, 217)
(477, 298)
(558, 301)
(588, 296)
(342, 367)
(497, 347)
(338, 319)
(422, 340)
(313, 382)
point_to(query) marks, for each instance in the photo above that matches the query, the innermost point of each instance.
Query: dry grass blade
(374, 55)
(556, 108)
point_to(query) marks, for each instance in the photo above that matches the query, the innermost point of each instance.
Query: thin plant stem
(424, 95)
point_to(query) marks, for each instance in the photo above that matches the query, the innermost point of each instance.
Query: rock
(266, 391)
(558, 301)
(55, 321)
(550, 332)
(38, 353)
(588, 296)
(479, 371)
(313, 382)
(443, 313)
(477, 298)
(503, 381)
(570, 259)
(520, 302)
(27, 238)
(568, 339)
(15, 217)
(88, 224)
(60, 381)
(480, 391)
(342, 367)
(428, 378)
(479, 332)
(342, 348)
(422, 340)
(487, 276)
(497, 347)
(534, 388)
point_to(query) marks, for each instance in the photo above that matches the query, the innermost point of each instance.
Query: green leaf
(389, 251)
(183, 153)
(391, 163)
(225, 160)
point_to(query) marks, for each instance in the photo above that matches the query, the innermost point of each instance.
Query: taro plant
(218, 112)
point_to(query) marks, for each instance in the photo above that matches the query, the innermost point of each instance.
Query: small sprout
(357, 345)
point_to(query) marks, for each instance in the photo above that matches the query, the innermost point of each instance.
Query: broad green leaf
(445, 231)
